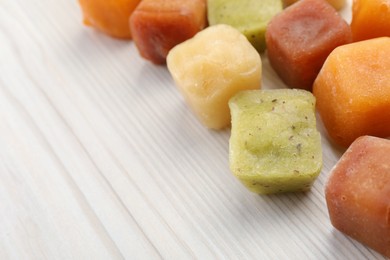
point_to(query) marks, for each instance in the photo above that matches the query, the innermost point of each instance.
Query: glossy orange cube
(109, 17)
(158, 25)
(370, 19)
(353, 91)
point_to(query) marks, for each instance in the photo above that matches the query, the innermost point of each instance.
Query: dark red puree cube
(300, 38)
(158, 25)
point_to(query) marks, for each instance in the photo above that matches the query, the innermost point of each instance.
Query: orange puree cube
(358, 193)
(301, 37)
(370, 19)
(110, 17)
(353, 91)
(158, 25)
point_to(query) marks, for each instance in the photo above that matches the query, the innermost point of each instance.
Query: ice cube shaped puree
(212, 67)
(300, 39)
(158, 25)
(109, 17)
(274, 144)
(337, 4)
(353, 91)
(358, 193)
(370, 19)
(250, 17)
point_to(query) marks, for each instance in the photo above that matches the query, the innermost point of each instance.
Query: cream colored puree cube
(212, 67)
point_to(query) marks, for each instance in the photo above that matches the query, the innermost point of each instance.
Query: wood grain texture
(100, 158)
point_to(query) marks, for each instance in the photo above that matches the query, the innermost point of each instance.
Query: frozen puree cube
(274, 144)
(358, 193)
(110, 17)
(370, 19)
(158, 25)
(353, 91)
(250, 17)
(211, 68)
(337, 4)
(301, 37)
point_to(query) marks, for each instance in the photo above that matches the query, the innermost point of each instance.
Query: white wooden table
(100, 158)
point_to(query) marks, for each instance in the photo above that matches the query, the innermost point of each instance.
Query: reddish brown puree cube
(301, 37)
(358, 193)
(158, 25)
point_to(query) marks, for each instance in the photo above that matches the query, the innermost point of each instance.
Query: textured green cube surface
(274, 144)
(250, 17)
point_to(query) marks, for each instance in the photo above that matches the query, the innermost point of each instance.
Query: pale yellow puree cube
(212, 67)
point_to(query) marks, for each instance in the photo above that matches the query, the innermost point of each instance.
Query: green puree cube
(274, 144)
(250, 17)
